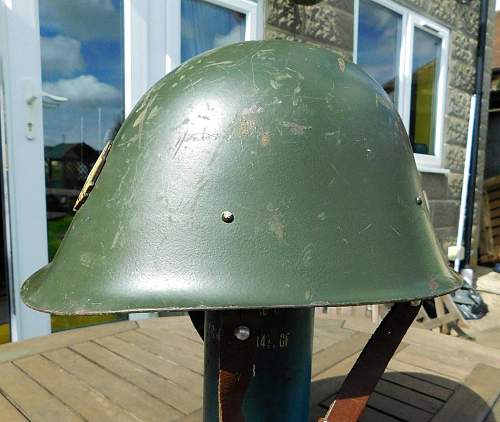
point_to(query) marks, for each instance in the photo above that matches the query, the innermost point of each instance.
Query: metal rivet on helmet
(227, 217)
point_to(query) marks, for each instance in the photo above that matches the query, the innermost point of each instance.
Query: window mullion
(172, 35)
(406, 57)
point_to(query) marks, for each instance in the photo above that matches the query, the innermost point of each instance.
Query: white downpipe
(463, 200)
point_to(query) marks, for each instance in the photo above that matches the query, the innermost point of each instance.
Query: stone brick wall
(330, 23)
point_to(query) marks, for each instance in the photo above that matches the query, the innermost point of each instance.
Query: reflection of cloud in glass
(205, 26)
(379, 33)
(233, 36)
(82, 60)
(61, 55)
(426, 47)
(84, 89)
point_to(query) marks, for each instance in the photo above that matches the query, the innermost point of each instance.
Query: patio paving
(152, 370)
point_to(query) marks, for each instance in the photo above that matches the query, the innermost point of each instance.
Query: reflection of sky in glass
(426, 48)
(206, 26)
(379, 32)
(82, 60)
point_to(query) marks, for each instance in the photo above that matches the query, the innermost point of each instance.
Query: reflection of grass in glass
(55, 233)
(66, 322)
(56, 230)
(4, 333)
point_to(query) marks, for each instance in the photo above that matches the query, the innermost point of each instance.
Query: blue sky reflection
(82, 60)
(206, 26)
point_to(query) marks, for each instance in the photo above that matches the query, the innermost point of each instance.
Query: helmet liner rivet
(419, 200)
(242, 332)
(227, 217)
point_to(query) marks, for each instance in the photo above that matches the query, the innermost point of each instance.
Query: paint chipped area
(384, 101)
(265, 139)
(277, 227)
(341, 63)
(295, 128)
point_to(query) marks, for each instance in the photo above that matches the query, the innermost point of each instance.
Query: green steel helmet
(261, 174)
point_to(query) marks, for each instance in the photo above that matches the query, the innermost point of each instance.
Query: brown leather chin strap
(359, 384)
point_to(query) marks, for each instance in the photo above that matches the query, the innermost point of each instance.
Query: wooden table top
(152, 370)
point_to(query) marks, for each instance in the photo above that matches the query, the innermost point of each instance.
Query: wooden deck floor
(152, 371)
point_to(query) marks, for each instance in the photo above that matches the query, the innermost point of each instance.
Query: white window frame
(152, 39)
(23, 171)
(410, 20)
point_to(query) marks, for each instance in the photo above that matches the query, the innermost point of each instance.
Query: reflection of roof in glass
(70, 152)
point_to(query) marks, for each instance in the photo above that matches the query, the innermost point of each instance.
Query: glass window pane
(424, 85)
(4, 280)
(205, 26)
(82, 79)
(379, 44)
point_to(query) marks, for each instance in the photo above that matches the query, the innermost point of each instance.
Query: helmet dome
(261, 174)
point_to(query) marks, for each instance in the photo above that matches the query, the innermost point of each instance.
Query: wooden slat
(169, 370)
(433, 358)
(121, 392)
(327, 383)
(405, 395)
(494, 415)
(423, 374)
(399, 402)
(33, 346)
(474, 399)
(164, 390)
(440, 321)
(417, 384)
(452, 346)
(181, 343)
(130, 369)
(322, 342)
(327, 336)
(392, 407)
(8, 411)
(369, 415)
(316, 412)
(87, 402)
(373, 415)
(36, 403)
(183, 322)
(447, 346)
(337, 353)
(189, 334)
(439, 368)
(332, 326)
(494, 194)
(398, 409)
(494, 204)
(165, 350)
(492, 183)
(179, 325)
(193, 417)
